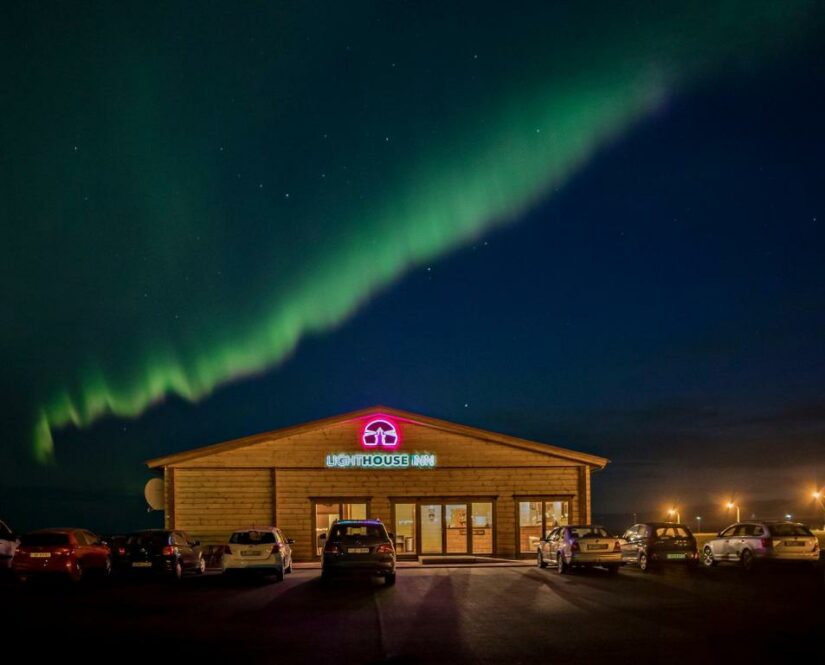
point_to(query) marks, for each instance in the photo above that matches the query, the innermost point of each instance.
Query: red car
(70, 552)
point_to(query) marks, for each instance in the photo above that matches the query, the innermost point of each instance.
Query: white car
(263, 550)
(8, 545)
(747, 543)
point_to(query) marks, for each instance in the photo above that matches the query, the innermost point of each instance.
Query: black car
(170, 553)
(655, 543)
(355, 547)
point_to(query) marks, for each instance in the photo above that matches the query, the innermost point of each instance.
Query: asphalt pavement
(451, 615)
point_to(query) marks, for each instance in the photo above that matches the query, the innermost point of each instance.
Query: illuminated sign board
(380, 433)
(381, 461)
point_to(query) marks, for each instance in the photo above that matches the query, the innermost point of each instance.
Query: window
(80, 537)
(672, 532)
(727, 533)
(456, 525)
(431, 529)
(482, 533)
(631, 533)
(588, 532)
(340, 531)
(327, 513)
(45, 539)
(535, 518)
(405, 528)
(252, 538)
(782, 530)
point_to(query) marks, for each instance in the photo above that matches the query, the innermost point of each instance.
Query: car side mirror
(290, 541)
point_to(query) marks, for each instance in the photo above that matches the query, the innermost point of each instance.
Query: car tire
(746, 559)
(644, 563)
(76, 575)
(279, 574)
(707, 558)
(540, 560)
(389, 579)
(326, 576)
(289, 567)
(562, 566)
(107, 567)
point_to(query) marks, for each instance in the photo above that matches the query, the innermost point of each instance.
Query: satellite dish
(153, 491)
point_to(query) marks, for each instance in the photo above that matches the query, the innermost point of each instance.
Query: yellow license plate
(358, 550)
(141, 564)
(41, 555)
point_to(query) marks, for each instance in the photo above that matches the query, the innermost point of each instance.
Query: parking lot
(512, 614)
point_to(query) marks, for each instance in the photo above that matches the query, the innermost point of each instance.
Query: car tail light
(62, 551)
(384, 548)
(816, 545)
(766, 542)
(168, 551)
(331, 548)
(617, 547)
(227, 549)
(574, 546)
(121, 551)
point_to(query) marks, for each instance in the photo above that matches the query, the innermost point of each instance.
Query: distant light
(816, 495)
(787, 517)
(730, 504)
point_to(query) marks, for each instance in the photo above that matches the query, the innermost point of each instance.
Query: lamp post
(818, 496)
(731, 505)
(698, 523)
(675, 511)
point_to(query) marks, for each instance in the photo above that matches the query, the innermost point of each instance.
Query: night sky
(596, 225)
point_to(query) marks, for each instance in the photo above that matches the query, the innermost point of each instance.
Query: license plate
(794, 543)
(677, 556)
(141, 564)
(249, 553)
(41, 555)
(597, 547)
(358, 550)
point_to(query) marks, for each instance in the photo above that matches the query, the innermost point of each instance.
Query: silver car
(579, 545)
(747, 543)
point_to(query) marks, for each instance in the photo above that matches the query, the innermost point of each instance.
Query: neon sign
(380, 433)
(381, 461)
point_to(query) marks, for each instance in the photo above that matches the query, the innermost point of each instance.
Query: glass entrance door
(431, 541)
(456, 527)
(405, 528)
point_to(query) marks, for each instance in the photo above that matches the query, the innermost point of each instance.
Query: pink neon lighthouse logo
(380, 433)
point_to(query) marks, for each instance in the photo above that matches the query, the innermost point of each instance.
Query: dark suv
(170, 553)
(655, 543)
(355, 547)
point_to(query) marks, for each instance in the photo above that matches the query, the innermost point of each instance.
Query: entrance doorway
(460, 527)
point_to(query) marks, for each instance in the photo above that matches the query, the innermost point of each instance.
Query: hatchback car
(263, 550)
(358, 547)
(579, 545)
(73, 553)
(749, 543)
(160, 551)
(656, 543)
(8, 546)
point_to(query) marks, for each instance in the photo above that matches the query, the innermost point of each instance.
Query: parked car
(8, 545)
(579, 545)
(749, 543)
(163, 552)
(70, 552)
(263, 550)
(656, 543)
(358, 547)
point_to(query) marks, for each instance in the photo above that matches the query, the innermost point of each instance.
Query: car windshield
(588, 532)
(159, 539)
(45, 539)
(252, 538)
(790, 530)
(672, 532)
(357, 531)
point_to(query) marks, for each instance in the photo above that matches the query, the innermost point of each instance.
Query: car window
(252, 538)
(727, 533)
(45, 539)
(758, 531)
(153, 538)
(744, 530)
(91, 538)
(642, 531)
(588, 532)
(782, 530)
(631, 532)
(357, 531)
(671, 532)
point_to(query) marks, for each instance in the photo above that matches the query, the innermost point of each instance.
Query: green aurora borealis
(186, 198)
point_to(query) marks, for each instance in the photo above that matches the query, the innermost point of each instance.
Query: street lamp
(675, 511)
(699, 523)
(731, 505)
(818, 496)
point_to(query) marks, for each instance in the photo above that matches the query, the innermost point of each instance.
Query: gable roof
(415, 418)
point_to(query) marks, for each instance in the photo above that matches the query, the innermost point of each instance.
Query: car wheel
(540, 560)
(289, 567)
(326, 576)
(747, 560)
(107, 567)
(389, 579)
(561, 565)
(279, 574)
(707, 557)
(76, 575)
(644, 564)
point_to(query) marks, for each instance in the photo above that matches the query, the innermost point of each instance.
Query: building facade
(441, 488)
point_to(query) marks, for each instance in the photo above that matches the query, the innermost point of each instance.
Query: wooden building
(440, 487)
